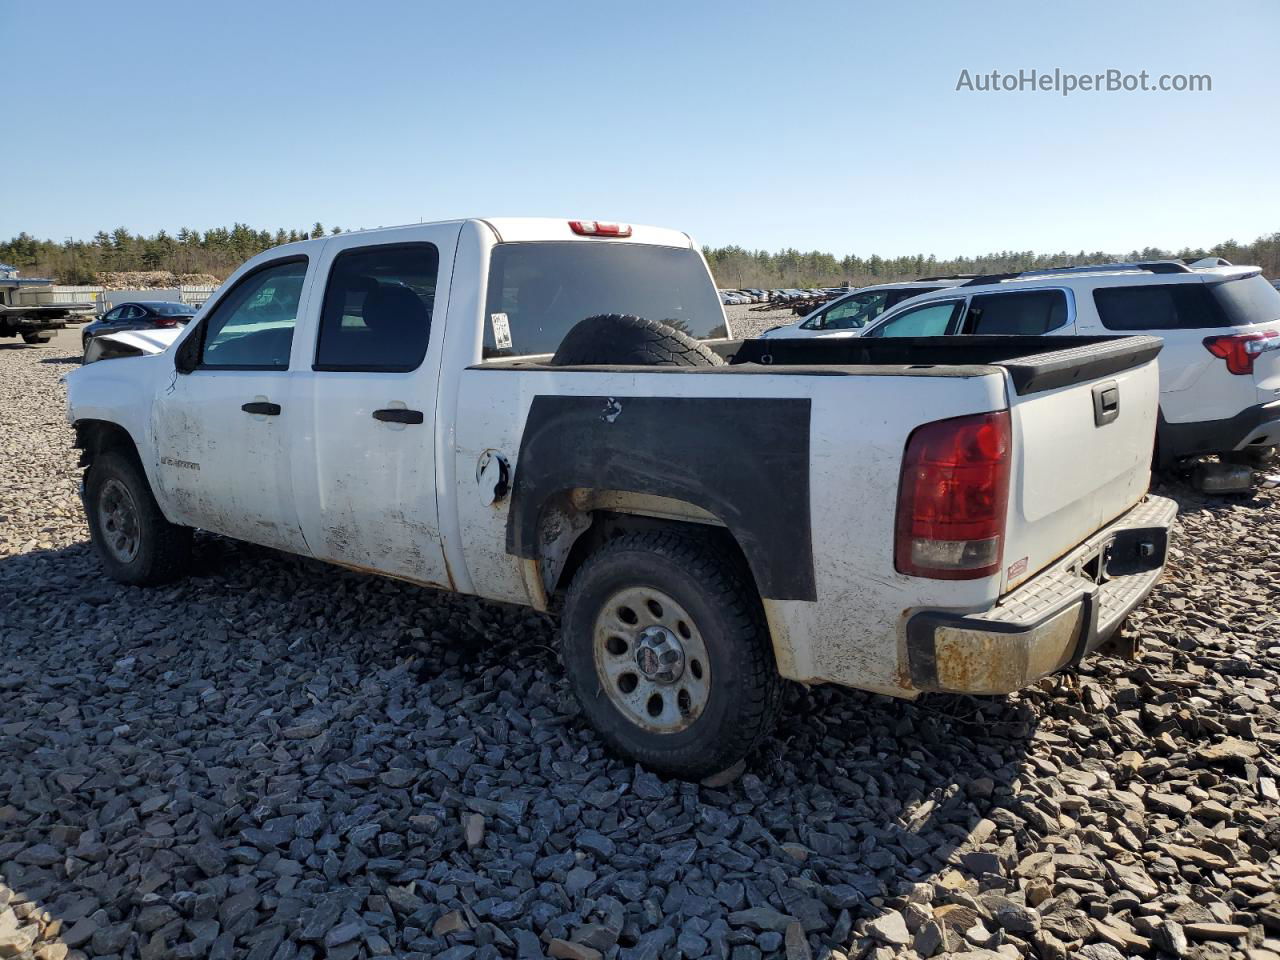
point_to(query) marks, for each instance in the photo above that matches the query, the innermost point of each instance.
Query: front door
(223, 431)
(366, 477)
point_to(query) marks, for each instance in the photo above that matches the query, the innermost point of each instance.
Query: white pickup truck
(474, 406)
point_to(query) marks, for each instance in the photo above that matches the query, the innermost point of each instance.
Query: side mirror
(187, 357)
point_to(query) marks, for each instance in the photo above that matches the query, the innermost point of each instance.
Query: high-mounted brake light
(953, 498)
(1240, 349)
(597, 228)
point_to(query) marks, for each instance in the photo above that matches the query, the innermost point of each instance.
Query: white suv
(1220, 367)
(848, 314)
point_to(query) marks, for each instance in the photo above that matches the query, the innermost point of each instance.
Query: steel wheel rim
(651, 660)
(118, 521)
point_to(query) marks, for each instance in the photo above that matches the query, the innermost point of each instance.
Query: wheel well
(605, 525)
(94, 437)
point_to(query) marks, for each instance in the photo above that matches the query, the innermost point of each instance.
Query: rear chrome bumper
(1053, 620)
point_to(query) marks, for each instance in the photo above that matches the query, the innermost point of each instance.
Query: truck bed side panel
(851, 632)
(728, 455)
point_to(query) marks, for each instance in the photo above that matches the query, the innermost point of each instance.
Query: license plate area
(1124, 553)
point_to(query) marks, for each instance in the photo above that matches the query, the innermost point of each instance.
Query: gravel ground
(277, 759)
(747, 320)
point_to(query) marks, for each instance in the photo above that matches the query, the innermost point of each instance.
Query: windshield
(173, 310)
(850, 313)
(539, 291)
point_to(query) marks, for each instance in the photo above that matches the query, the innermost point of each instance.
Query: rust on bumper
(1050, 622)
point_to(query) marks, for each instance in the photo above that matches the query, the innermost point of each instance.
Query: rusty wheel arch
(94, 437)
(576, 524)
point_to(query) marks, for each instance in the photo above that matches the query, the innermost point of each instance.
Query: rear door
(365, 465)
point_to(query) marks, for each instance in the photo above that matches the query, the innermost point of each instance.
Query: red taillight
(166, 322)
(597, 228)
(953, 498)
(1239, 349)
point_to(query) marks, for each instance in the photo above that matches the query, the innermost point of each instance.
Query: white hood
(131, 343)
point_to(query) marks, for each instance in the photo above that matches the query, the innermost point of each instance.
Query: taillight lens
(1239, 349)
(166, 322)
(953, 498)
(598, 228)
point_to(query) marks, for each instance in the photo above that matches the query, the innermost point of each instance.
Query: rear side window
(377, 308)
(172, 310)
(539, 291)
(1247, 300)
(1158, 306)
(1027, 314)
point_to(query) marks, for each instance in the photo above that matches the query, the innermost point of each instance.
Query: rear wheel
(136, 543)
(37, 337)
(666, 648)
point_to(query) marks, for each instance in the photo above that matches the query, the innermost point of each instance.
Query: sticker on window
(501, 331)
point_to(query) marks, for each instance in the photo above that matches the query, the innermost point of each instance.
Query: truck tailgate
(1083, 422)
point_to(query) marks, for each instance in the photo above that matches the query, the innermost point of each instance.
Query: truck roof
(525, 229)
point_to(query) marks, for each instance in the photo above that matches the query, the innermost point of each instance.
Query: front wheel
(667, 651)
(136, 543)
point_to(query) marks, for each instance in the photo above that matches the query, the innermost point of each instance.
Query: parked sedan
(138, 315)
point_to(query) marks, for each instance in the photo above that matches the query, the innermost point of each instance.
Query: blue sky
(828, 125)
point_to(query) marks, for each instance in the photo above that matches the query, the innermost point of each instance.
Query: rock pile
(276, 759)
(153, 280)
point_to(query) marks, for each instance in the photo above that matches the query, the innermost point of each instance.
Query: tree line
(220, 250)
(735, 267)
(216, 252)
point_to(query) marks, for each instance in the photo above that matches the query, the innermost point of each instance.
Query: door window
(1027, 313)
(926, 320)
(111, 316)
(251, 328)
(377, 308)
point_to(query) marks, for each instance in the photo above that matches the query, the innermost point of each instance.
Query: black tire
(624, 339)
(163, 549)
(1257, 457)
(742, 680)
(36, 338)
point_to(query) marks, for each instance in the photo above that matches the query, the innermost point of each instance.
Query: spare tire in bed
(624, 339)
